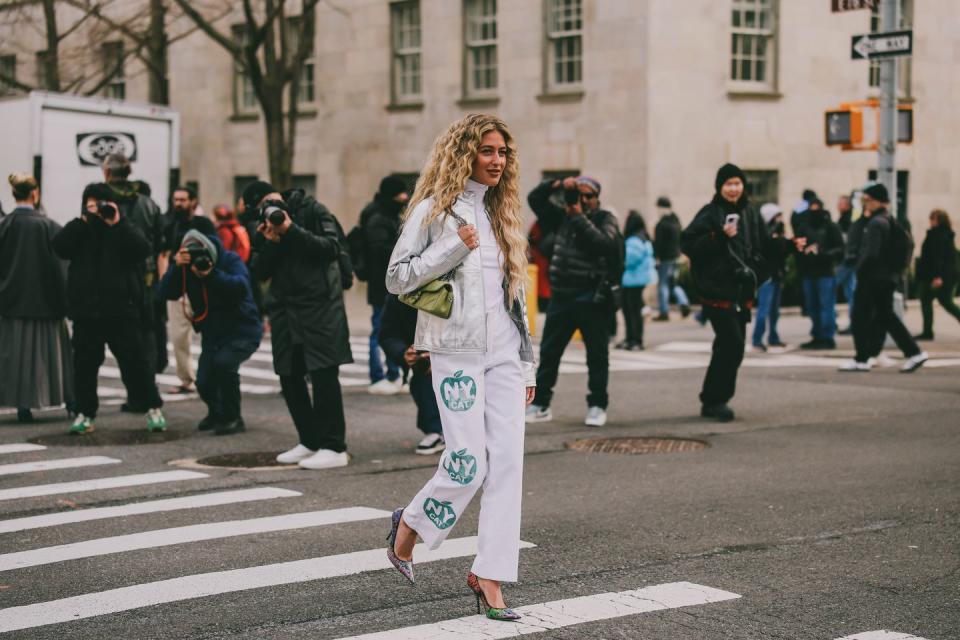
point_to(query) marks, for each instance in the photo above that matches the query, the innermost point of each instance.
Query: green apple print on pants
(458, 392)
(441, 514)
(461, 467)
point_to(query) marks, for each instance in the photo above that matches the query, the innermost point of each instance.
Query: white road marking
(99, 483)
(561, 613)
(20, 447)
(202, 585)
(881, 635)
(51, 465)
(181, 535)
(152, 506)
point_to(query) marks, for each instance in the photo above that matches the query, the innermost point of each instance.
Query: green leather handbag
(435, 297)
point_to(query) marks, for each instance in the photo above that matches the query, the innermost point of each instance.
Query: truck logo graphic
(92, 148)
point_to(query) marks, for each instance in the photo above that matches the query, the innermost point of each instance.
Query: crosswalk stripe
(181, 535)
(562, 613)
(100, 483)
(20, 447)
(51, 465)
(881, 635)
(202, 585)
(151, 506)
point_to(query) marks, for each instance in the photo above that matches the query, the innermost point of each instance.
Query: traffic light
(844, 126)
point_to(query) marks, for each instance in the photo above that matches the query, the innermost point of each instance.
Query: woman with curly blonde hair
(464, 225)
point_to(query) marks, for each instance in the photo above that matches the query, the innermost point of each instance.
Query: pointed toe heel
(505, 614)
(403, 566)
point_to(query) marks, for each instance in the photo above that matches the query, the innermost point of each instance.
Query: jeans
(874, 317)
(768, 310)
(376, 365)
(730, 332)
(428, 413)
(821, 298)
(944, 295)
(563, 318)
(666, 275)
(320, 424)
(847, 280)
(218, 376)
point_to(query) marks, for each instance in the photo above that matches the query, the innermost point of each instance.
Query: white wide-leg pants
(481, 400)
(179, 332)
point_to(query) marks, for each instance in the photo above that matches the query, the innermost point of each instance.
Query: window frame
(762, 176)
(550, 37)
(771, 59)
(471, 46)
(398, 54)
(241, 81)
(8, 61)
(115, 87)
(904, 64)
(294, 30)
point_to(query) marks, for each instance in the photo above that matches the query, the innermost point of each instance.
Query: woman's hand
(468, 233)
(531, 392)
(182, 258)
(937, 283)
(410, 356)
(730, 229)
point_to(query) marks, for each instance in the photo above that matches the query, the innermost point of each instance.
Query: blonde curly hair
(445, 175)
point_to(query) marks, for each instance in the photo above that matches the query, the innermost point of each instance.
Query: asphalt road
(830, 507)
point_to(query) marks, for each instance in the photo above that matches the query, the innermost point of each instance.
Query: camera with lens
(571, 196)
(199, 257)
(272, 211)
(777, 229)
(106, 210)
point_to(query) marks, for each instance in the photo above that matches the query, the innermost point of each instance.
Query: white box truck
(63, 139)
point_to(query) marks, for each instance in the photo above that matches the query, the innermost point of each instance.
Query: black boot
(230, 427)
(207, 424)
(720, 412)
(24, 416)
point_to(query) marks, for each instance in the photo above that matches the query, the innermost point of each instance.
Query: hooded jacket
(938, 255)
(224, 299)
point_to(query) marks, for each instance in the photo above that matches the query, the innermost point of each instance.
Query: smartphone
(732, 218)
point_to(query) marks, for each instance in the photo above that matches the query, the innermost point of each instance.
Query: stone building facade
(648, 96)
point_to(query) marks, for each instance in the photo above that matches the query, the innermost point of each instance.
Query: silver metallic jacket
(423, 253)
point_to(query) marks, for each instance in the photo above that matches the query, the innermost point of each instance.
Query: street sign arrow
(882, 45)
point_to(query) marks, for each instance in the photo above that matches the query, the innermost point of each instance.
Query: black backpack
(899, 253)
(357, 247)
(344, 259)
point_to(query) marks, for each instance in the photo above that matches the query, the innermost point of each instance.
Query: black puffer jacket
(938, 256)
(105, 278)
(716, 258)
(874, 247)
(666, 239)
(305, 300)
(821, 231)
(585, 248)
(380, 221)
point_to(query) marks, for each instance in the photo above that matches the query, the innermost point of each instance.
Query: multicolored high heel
(504, 615)
(403, 566)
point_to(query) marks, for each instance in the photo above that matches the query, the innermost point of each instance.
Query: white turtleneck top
(490, 256)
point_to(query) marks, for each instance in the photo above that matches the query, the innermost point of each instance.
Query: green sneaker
(156, 421)
(81, 425)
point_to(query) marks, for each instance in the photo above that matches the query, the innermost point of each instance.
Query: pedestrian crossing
(539, 618)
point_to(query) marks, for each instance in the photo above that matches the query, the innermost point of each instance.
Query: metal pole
(886, 161)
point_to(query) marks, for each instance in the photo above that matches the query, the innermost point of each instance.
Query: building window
(763, 186)
(112, 57)
(43, 82)
(8, 74)
(306, 90)
(904, 21)
(753, 44)
(405, 44)
(244, 97)
(306, 182)
(480, 47)
(564, 44)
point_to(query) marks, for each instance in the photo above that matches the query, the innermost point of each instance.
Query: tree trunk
(159, 88)
(51, 57)
(279, 148)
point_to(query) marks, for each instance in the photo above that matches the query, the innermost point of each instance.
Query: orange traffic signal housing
(844, 125)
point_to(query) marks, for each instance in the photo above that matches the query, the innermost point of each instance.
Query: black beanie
(98, 191)
(254, 192)
(391, 186)
(878, 192)
(726, 172)
(664, 201)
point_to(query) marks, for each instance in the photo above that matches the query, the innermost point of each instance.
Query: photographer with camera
(585, 272)
(105, 290)
(217, 285)
(297, 247)
(729, 248)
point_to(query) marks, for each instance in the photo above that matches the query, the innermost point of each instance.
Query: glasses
(588, 196)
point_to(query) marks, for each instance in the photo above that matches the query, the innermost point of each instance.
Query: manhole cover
(248, 460)
(636, 446)
(108, 438)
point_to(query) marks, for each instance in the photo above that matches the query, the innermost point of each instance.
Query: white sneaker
(430, 444)
(295, 455)
(384, 388)
(853, 365)
(325, 459)
(596, 417)
(536, 413)
(404, 388)
(915, 362)
(882, 360)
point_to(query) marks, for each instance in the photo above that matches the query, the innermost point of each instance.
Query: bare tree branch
(13, 82)
(207, 27)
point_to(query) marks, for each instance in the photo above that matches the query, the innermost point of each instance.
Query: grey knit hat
(195, 237)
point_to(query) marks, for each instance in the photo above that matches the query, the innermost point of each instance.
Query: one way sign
(882, 45)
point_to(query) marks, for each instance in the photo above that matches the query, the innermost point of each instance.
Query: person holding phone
(729, 253)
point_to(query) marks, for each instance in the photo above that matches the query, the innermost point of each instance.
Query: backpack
(344, 259)
(356, 245)
(899, 254)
